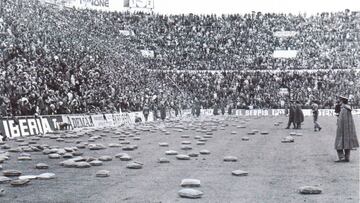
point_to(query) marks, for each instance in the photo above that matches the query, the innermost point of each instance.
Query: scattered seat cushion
(103, 173)
(190, 193)
(19, 182)
(190, 183)
(239, 173)
(310, 190)
(230, 158)
(134, 165)
(46, 176)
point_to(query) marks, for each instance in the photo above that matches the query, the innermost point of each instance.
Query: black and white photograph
(179, 101)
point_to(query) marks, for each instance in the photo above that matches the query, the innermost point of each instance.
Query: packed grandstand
(63, 60)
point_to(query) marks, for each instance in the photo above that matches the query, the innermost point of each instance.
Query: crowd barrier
(30, 125)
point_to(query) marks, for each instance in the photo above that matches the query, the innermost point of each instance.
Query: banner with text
(30, 125)
(25, 126)
(276, 112)
(143, 4)
(285, 53)
(119, 119)
(79, 121)
(102, 120)
(285, 33)
(105, 5)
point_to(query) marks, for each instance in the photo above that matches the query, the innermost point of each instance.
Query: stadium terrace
(57, 60)
(103, 102)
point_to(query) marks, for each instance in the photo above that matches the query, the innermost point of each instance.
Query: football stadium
(149, 101)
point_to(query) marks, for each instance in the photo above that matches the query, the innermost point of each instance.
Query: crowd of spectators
(263, 89)
(232, 42)
(62, 60)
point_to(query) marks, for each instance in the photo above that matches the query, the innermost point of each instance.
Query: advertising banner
(147, 53)
(25, 126)
(78, 121)
(279, 112)
(356, 112)
(285, 53)
(31, 125)
(285, 33)
(207, 112)
(284, 91)
(143, 4)
(259, 112)
(120, 119)
(134, 115)
(104, 5)
(102, 120)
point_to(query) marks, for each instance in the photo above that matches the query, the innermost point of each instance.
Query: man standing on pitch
(291, 112)
(299, 116)
(146, 112)
(345, 134)
(315, 111)
(162, 108)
